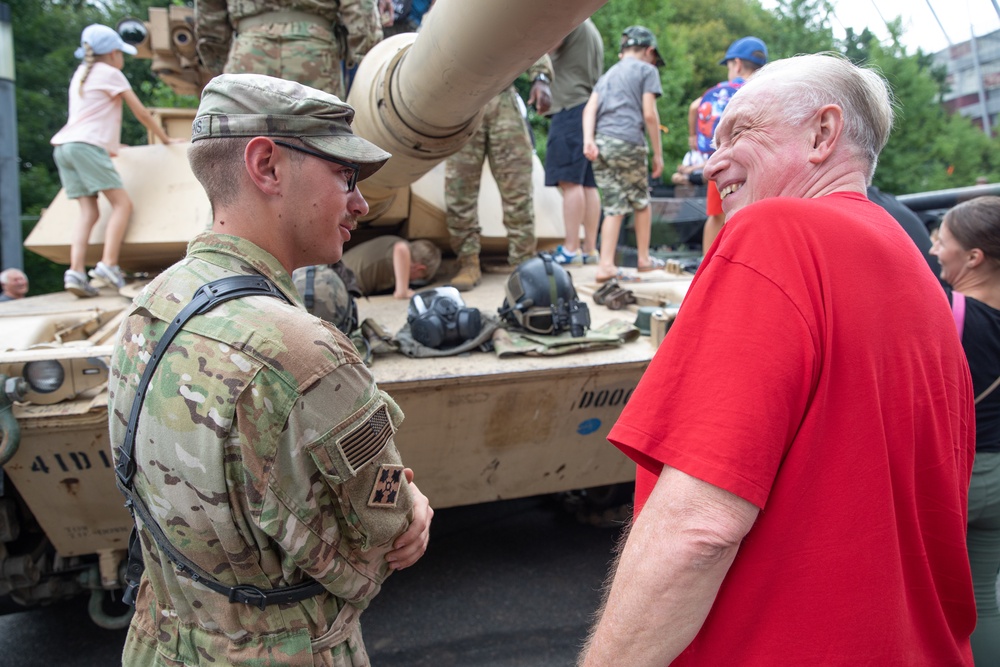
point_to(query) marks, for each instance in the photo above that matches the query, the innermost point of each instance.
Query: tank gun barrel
(420, 97)
(939, 199)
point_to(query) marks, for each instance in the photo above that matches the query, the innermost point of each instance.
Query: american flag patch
(365, 442)
(385, 493)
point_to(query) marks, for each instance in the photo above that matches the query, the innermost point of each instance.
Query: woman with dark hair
(968, 247)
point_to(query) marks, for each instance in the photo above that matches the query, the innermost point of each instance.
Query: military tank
(477, 429)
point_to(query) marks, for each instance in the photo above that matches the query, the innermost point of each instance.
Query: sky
(920, 28)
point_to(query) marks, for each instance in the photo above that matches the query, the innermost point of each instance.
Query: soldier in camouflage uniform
(264, 449)
(299, 40)
(503, 138)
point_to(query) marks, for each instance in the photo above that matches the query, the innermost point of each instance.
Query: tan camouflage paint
(240, 456)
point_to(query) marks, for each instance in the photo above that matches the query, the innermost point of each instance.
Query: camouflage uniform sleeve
(364, 28)
(337, 497)
(213, 34)
(542, 66)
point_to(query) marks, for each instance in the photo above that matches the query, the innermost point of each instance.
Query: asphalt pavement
(504, 584)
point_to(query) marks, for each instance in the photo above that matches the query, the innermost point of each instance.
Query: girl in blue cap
(85, 145)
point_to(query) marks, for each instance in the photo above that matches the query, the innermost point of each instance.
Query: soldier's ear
(265, 165)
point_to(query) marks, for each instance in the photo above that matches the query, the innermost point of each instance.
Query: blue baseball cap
(102, 39)
(747, 48)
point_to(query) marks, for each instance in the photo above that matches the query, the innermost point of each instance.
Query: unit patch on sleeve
(365, 442)
(386, 490)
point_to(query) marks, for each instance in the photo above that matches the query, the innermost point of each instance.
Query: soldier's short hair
(218, 166)
(424, 252)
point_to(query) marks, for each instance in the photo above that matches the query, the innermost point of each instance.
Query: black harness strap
(205, 298)
(309, 296)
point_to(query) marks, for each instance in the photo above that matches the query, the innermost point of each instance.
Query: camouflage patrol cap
(254, 105)
(325, 296)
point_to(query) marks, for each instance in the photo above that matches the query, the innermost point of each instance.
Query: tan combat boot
(468, 275)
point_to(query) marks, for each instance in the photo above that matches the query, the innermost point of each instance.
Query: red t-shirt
(815, 371)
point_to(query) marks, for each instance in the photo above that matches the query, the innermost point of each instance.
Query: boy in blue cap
(743, 57)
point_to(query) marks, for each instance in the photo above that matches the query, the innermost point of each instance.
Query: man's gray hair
(808, 82)
(7, 274)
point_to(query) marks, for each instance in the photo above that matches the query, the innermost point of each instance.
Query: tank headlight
(132, 31)
(44, 376)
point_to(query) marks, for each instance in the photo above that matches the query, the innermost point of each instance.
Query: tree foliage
(929, 149)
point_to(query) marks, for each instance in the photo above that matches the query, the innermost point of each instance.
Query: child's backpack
(713, 103)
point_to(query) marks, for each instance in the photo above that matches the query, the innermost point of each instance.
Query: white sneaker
(563, 256)
(77, 283)
(112, 275)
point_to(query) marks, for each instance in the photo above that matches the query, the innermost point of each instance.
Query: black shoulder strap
(309, 296)
(205, 298)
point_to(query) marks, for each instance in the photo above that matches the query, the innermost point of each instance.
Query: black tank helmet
(540, 297)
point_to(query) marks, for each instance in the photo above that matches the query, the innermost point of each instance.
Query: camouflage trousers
(149, 645)
(622, 175)
(503, 138)
(298, 51)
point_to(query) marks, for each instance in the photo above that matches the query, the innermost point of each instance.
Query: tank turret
(419, 96)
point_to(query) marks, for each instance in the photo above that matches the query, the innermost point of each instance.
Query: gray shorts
(622, 175)
(85, 170)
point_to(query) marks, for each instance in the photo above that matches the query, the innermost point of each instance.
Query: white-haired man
(805, 435)
(13, 284)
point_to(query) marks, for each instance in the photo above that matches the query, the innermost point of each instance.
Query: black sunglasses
(355, 168)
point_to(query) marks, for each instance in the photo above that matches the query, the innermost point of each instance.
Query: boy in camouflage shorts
(623, 101)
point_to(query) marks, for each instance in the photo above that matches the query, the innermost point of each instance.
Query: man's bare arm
(589, 125)
(401, 261)
(669, 572)
(651, 117)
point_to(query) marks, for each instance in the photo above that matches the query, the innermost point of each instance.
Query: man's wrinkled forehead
(732, 115)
